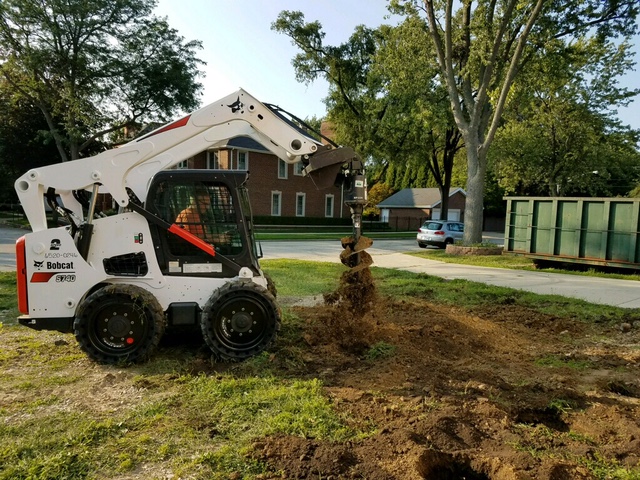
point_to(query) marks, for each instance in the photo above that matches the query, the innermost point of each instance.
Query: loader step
(63, 324)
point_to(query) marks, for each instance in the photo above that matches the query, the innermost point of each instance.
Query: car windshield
(432, 226)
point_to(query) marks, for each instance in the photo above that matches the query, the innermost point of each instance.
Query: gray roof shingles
(415, 198)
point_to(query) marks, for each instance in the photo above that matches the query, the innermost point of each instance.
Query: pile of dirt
(346, 318)
(500, 393)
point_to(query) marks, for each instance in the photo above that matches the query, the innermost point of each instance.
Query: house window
(183, 165)
(276, 204)
(328, 205)
(213, 163)
(243, 161)
(300, 204)
(297, 168)
(283, 169)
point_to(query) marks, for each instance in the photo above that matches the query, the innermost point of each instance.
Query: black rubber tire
(240, 320)
(119, 324)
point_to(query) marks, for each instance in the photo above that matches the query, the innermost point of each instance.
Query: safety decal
(236, 106)
(177, 124)
(44, 277)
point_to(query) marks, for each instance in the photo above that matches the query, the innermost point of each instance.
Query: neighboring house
(276, 188)
(408, 208)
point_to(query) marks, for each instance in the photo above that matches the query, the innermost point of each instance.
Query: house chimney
(326, 129)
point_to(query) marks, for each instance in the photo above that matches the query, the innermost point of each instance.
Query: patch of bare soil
(502, 393)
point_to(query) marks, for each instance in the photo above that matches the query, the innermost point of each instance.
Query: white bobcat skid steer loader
(179, 252)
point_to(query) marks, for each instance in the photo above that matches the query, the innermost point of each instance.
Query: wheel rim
(119, 327)
(242, 322)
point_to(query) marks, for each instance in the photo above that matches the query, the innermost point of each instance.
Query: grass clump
(555, 361)
(237, 408)
(380, 350)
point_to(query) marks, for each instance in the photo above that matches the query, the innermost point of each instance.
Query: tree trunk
(474, 204)
(444, 202)
(54, 131)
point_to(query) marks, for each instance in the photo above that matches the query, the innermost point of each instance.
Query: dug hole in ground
(496, 393)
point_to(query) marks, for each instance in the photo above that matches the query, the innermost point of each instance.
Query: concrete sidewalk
(606, 291)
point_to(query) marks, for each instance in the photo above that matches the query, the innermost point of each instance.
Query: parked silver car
(439, 233)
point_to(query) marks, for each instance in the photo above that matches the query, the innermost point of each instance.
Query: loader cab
(214, 206)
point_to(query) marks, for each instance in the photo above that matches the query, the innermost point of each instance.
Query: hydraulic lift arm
(128, 169)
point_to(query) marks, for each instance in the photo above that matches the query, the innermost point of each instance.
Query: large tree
(560, 135)
(378, 103)
(482, 45)
(95, 67)
(418, 114)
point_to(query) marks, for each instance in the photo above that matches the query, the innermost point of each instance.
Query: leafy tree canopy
(378, 102)
(560, 135)
(24, 142)
(379, 192)
(482, 46)
(92, 68)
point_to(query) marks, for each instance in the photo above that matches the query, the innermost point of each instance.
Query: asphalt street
(391, 254)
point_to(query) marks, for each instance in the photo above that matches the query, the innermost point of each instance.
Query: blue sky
(242, 51)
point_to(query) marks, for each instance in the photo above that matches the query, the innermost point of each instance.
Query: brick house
(409, 208)
(276, 188)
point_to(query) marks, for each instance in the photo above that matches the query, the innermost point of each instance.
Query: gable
(416, 198)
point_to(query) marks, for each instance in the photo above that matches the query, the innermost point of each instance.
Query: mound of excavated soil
(500, 393)
(346, 318)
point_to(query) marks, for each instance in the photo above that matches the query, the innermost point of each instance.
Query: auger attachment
(342, 166)
(354, 255)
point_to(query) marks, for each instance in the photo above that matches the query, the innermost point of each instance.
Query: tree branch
(485, 81)
(511, 73)
(443, 53)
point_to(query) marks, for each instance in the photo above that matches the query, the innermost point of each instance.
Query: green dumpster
(592, 231)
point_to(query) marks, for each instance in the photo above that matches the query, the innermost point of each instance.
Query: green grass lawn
(165, 415)
(8, 301)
